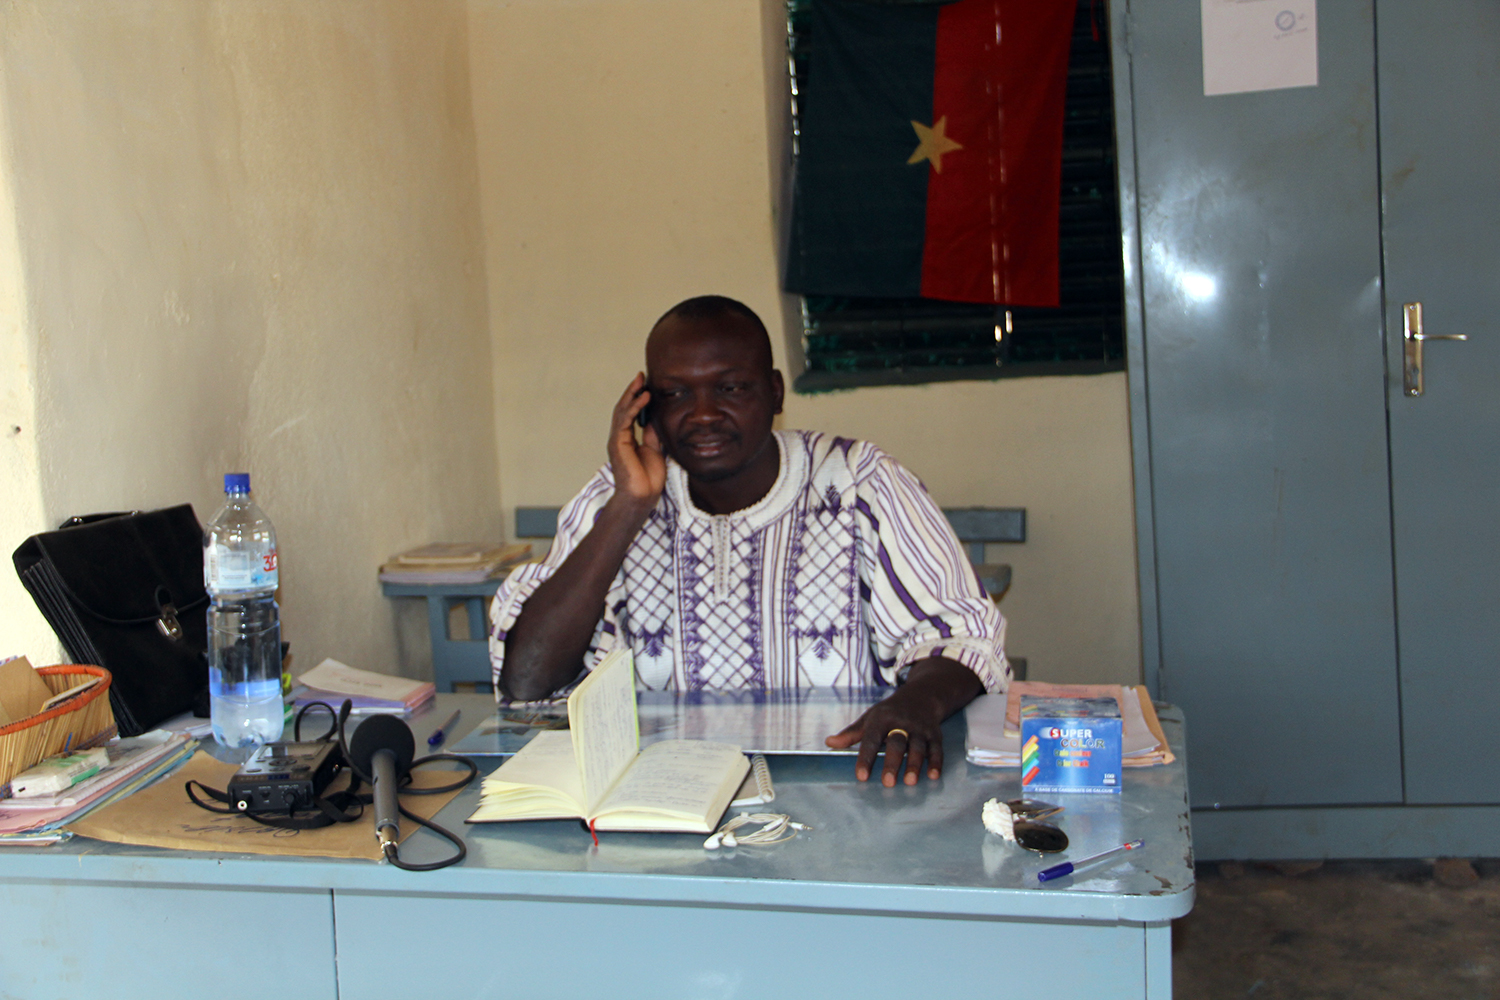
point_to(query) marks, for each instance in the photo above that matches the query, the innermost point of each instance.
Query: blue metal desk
(894, 891)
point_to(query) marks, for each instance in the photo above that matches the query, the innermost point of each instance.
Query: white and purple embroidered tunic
(844, 573)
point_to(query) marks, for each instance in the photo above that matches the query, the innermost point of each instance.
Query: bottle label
(226, 571)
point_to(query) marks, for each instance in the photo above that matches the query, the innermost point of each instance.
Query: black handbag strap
(165, 606)
(79, 519)
(53, 546)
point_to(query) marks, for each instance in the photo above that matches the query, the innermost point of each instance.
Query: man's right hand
(640, 470)
(545, 647)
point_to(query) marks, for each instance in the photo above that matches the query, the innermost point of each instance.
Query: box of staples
(1070, 745)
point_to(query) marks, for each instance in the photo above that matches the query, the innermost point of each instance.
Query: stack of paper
(994, 721)
(372, 694)
(453, 562)
(134, 763)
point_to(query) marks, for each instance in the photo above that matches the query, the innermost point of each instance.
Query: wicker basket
(78, 722)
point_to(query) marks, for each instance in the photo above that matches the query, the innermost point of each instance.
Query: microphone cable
(345, 806)
(348, 806)
(392, 852)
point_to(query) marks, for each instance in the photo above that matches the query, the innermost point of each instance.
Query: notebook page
(547, 762)
(678, 776)
(602, 720)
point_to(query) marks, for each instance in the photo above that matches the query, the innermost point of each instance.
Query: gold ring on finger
(904, 734)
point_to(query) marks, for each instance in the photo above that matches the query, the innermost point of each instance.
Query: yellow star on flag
(932, 144)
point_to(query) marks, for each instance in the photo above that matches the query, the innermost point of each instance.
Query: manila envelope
(163, 816)
(22, 690)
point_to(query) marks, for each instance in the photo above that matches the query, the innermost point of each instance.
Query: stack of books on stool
(453, 562)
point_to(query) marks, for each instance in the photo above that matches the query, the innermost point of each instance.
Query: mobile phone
(644, 417)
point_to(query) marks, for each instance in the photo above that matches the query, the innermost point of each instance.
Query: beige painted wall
(25, 632)
(629, 156)
(296, 186)
(246, 236)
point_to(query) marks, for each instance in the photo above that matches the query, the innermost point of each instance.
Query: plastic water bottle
(244, 626)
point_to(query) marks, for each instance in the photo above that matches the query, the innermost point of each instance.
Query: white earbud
(777, 828)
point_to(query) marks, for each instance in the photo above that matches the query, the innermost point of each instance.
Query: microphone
(383, 748)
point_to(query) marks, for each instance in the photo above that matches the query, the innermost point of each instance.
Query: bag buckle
(168, 625)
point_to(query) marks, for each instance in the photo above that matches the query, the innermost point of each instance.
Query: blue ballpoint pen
(441, 732)
(1069, 867)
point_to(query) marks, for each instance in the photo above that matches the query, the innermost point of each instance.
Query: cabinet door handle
(1412, 338)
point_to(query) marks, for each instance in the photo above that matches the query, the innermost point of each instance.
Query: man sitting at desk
(730, 556)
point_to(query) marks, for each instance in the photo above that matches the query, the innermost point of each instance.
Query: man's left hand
(910, 722)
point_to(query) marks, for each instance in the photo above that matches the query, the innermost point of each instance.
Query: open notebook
(596, 771)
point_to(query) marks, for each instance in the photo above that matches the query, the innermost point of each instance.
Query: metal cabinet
(1440, 169)
(1318, 547)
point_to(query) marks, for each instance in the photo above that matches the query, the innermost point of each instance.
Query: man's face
(713, 394)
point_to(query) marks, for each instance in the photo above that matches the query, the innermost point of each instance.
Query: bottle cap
(236, 482)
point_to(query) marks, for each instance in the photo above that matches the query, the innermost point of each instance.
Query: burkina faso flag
(931, 150)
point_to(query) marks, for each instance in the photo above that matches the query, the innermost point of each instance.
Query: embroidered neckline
(790, 481)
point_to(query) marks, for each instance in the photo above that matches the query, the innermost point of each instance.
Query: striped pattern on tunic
(842, 575)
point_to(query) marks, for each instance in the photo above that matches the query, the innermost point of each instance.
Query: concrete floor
(1358, 929)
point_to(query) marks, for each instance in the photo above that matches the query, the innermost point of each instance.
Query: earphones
(776, 828)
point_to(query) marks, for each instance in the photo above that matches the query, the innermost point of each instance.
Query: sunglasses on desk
(1031, 832)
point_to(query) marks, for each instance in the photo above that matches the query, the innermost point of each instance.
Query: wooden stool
(454, 660)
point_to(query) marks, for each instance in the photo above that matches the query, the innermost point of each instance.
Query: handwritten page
(547, 761)
(602, 720)
(679, 776)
